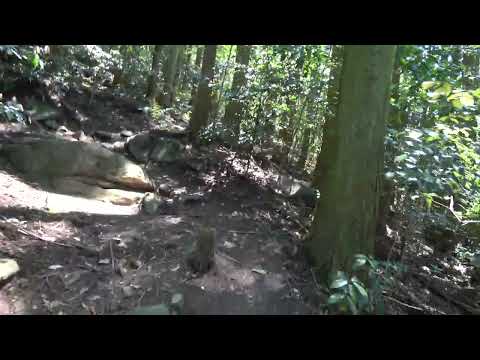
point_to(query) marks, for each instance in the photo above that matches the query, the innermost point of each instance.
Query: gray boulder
(144, 147)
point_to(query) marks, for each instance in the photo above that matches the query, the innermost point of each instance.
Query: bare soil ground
(65, 245)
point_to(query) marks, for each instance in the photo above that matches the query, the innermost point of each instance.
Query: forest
(239, 180)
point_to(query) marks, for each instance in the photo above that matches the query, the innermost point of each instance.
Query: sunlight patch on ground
(19, 194)
(58, 203)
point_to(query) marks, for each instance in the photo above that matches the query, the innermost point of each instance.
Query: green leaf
(457, 104)
(359, 261)
(351, 293)
(462, 99)
(35, 61)
(389, 175)
(336, 298)
(400, 158)
(467, 99)
(444, 90)
(428, 202)
(361, 289)
(427, 84)
(414, 134)
(351, 304)
(340, 280)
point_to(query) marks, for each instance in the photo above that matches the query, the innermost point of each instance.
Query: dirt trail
(66, 265)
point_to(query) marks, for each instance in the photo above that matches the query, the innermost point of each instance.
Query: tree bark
(178, 71)
(332, 103)
(234, 109)
(397, 116)
(352, 160)
(218, 97)
(169, 76)
(185, 76)
(152, 86)
(203, 99)
(198, 63)
(471, 62)
(304, 149)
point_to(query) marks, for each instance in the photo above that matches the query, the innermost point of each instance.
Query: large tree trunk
(234, 109)
(169, 76)
(152, 86)
(332, 103)
(203, 99)
(352, 160)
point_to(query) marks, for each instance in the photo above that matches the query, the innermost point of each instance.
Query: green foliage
(435, 154)
(20, 61)
(156, 112)
(350, 295)
(473, 211)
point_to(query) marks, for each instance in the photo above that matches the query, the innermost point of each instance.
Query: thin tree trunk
(203, 99)
(216, 106)
(186, 71)
(234, 108)
(198, 63)
(352, 160)
(471, 63)
(304, 149)
(120, 75)
(169, 76)
(396, 117)
(397, 120)
(178, 70)
(290, 114)
(152, 86)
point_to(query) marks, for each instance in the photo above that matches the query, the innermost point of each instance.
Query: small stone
(55, 267)
(126, 133)
(128, 291)
(177, 302)
(62, 129)
(228, 244)
(164, 188)
(259, 271)
(8, 268)
(150, 204)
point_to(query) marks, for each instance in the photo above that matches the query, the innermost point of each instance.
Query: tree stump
(201, 260)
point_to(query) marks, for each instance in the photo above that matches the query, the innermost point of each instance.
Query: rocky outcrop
(78, 168)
